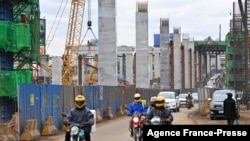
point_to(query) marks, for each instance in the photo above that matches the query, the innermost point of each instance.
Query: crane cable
(89, 23)
(48, 41)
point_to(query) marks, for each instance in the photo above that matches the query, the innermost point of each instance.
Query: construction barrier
(98, 116)
(49, 127)
(125, 109)
(120, 111)
(206, 107)
(7, 134)
(14, 122)
(31, 131)
(109, 114)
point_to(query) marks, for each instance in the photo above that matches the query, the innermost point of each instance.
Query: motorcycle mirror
(64, 114)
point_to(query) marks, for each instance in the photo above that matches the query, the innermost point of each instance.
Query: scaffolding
(237, 56)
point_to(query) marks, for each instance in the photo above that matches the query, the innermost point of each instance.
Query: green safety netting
(9, 80)
(14, 36)
(235, 77)
(230, 64)
(4, 37)
(235, 37)
(235, 50)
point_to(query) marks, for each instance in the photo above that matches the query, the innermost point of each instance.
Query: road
(117, 129)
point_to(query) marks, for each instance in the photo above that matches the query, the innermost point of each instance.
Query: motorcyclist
(161, 111)
(152, 103)
(80, 114)
(136, 105)
(190, 98)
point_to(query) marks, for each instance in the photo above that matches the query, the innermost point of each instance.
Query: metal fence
(37, 101)
(40, 101)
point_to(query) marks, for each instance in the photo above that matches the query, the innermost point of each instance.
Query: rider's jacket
(162, 112)
(140, 107)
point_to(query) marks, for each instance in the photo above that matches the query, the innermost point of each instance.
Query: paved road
(117, 129)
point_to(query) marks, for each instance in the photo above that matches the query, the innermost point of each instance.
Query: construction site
(107, 74)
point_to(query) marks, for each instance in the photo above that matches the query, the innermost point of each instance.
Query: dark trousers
(86, 135)
(230, 121)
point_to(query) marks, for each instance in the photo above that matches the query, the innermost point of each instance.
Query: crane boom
(73, 38)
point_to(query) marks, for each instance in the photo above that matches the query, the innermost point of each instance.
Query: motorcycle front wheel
(137, 134)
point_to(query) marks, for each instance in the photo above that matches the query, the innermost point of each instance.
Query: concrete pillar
(107, 58)
(157, 65)
(45, 60)
(185, 40)
(57, 70)
(129, 68)
(164, 57)
(208, 64)
(142, 56)
(177, 58)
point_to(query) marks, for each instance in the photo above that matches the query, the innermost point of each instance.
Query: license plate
(221, 112)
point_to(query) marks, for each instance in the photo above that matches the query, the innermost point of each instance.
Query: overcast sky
(197, 18)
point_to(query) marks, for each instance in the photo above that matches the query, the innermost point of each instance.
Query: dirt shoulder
(197, 118)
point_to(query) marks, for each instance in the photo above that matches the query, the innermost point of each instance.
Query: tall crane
(74, 31)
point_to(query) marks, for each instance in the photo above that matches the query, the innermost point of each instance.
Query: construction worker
(80, 114)
(136, 105)
(152, 103)
(24, 18)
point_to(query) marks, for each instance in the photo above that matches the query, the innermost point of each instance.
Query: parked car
(183, 100)
(216, 105)
(172, 101)
(195, 96)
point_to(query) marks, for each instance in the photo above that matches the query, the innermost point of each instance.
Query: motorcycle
(189, 103)
(156, 120)
(75, 129)
(137, 124)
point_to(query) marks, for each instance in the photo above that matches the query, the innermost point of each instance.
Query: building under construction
(237, 50)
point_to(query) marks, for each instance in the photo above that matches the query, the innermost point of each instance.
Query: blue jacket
(140, 107)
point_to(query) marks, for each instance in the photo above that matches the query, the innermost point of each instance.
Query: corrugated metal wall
(29, 106)
(40, 101)
(50, 103)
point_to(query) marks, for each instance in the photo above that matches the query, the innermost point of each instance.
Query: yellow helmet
(80, 101)
(160, 101)
(137, 97)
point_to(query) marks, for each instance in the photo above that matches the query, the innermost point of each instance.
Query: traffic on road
(118, 130)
